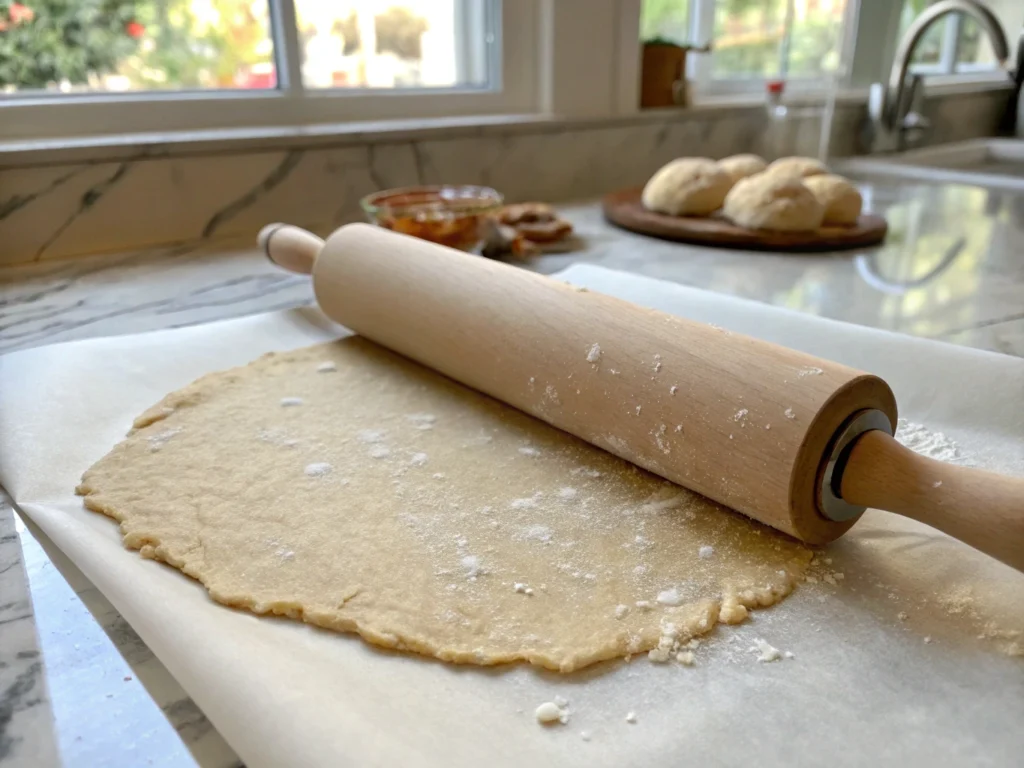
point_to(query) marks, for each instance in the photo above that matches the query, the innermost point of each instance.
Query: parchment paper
(864, 686)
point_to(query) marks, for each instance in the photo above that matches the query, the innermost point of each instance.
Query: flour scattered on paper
(768, 653)
(594, 354)
(934, 445)
(550, 713)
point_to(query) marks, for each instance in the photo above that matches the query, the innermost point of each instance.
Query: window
(125, 45)
(414, 44)
(155, 65)
(752, 39)
(956, 43)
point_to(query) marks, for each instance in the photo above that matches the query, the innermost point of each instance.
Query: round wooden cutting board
(625, 210)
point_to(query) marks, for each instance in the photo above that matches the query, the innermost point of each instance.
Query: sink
(993, 163)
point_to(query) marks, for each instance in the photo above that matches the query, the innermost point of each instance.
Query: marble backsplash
(66, 209)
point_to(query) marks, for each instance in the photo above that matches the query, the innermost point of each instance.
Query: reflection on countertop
(952, 268)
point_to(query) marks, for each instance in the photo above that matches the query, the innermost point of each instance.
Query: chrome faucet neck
(889, 115)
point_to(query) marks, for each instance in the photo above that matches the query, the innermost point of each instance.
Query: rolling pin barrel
(742, 421)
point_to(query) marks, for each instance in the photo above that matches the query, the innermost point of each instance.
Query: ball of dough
(741, 166)
(800, 167)
(689, 186)
(841, 199)
(771, 201)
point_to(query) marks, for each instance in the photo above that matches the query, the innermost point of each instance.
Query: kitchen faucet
(893, 123)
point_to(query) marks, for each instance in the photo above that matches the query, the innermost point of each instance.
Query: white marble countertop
(77, 685)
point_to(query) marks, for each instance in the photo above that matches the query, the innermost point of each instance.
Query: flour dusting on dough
(422, 420)
(318, 469)
(159, 440)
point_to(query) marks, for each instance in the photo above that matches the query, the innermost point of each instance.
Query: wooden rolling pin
(797, 442)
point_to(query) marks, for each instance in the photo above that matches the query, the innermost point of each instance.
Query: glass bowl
(447, 214)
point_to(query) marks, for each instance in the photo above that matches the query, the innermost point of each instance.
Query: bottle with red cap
(777, 133)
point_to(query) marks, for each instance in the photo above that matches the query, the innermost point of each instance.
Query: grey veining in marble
(114, 703)
(152, 198)
(26, 723)
(950, 269)
(101, 296)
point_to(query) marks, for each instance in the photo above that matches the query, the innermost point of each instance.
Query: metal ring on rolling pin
(266, 242)
(832, 505)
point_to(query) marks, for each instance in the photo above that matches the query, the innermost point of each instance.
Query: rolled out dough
(353, 489)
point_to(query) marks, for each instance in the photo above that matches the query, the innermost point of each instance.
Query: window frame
(561, 59)
(702, 24)
(515, 90)
(949, 53)
(861, 58)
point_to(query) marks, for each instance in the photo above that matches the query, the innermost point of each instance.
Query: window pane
(816, 37)
(128, 45)
(751, 41)
(747, 38)
(397, 43)
(666, 20)
(975, 49)
(929, 51)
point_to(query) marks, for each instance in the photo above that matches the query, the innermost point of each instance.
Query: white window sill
(934, 85)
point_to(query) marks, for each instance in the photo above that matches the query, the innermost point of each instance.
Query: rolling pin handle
(982, 509)
(290, 247)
